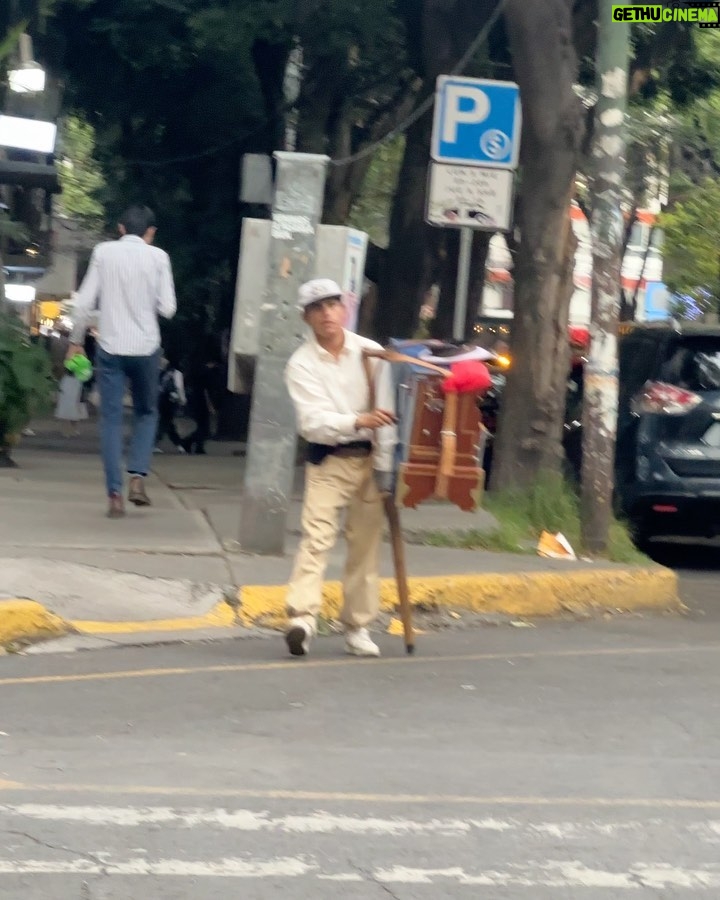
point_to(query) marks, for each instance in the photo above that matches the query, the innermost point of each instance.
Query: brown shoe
(116, 509)
(136, 494)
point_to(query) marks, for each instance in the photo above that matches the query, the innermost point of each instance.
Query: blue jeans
(143, 373)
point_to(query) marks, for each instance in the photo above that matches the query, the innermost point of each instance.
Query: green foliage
(550, 504)
(692, 240)
(25, 382)
(80, 176)
(176, 104)
(14, 231)
(371, 211)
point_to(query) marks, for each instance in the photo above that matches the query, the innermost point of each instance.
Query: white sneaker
(181, 450)
(359, 643)
(298, 637)
(157, 451)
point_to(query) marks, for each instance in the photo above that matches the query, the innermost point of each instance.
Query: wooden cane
(398, 551)
(392, 356)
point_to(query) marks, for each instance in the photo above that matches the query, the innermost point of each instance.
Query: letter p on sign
(466, 105)
(477, 122)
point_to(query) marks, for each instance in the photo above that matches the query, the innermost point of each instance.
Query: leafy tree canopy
(692, 240)
(81, 179)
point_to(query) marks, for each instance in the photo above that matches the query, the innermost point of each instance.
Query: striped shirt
(131, 284)
(329, 394)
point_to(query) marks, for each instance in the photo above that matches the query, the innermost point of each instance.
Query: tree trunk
(530, 429)
(407, 267)
(446, 29)
(270, 61)
(345, 181)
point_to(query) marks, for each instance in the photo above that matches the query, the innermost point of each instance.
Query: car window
(638, 363)
(694, 364)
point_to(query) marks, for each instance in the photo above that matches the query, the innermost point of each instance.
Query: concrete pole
(272, 440)
(601, 370)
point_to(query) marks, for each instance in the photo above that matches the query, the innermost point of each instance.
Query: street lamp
(34, 135)
(28, 77)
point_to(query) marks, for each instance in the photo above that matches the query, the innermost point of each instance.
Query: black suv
(668, 447)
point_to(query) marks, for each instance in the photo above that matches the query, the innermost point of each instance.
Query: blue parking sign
(477, 122)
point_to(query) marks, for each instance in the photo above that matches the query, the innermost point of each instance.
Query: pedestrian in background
(131, 284)
(205, 393)
(70, 408)
(171, 401)
(351, 445)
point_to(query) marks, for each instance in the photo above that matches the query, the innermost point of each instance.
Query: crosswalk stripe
(320, 822)
(240, 819)
(551, 873)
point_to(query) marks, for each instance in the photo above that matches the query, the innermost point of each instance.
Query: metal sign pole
(272, 440)
(463, 283)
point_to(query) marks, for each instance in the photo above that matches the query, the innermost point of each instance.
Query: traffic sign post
(475, 150)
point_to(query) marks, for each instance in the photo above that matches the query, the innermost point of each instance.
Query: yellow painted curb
(527, 594)
(26, 620)
(222, 615)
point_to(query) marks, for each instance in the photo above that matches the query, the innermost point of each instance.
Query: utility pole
(601, 371)
(272, 440)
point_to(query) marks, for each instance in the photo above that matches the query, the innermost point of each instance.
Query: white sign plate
(470, 196)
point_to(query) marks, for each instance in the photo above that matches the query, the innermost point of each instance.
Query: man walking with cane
(345, 409)
(131, 282)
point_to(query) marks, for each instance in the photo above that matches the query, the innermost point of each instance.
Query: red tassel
(469, 377)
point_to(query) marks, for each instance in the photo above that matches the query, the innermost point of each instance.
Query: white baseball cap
(316, 290)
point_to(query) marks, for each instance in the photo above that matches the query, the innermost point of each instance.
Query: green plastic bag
(79, 366)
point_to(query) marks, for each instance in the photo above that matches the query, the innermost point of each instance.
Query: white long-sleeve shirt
(330, 393)
(132, 283)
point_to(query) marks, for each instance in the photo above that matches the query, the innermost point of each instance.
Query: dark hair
(137, 219)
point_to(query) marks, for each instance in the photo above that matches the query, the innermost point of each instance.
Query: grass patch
(550, 504)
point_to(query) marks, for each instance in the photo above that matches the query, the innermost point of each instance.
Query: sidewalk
(178, 566)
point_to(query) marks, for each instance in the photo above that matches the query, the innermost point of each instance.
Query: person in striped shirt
(130, 283)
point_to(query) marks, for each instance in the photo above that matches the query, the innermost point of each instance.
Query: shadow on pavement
(685, 556)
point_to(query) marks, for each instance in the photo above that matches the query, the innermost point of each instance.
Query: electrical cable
(429, 101)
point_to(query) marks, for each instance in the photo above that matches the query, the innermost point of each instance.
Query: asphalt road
(577, 760)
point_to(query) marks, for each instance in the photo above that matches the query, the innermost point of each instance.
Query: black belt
(316, 453)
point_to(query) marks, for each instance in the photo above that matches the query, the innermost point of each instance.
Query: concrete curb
(530, 594)
(25, 621)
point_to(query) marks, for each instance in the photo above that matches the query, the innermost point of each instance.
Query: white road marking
(400, 835)
(242, 820)
(282, 867)
(320, 822)
(551, 873)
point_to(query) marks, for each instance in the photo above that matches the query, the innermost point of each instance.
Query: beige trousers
(339, 484)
